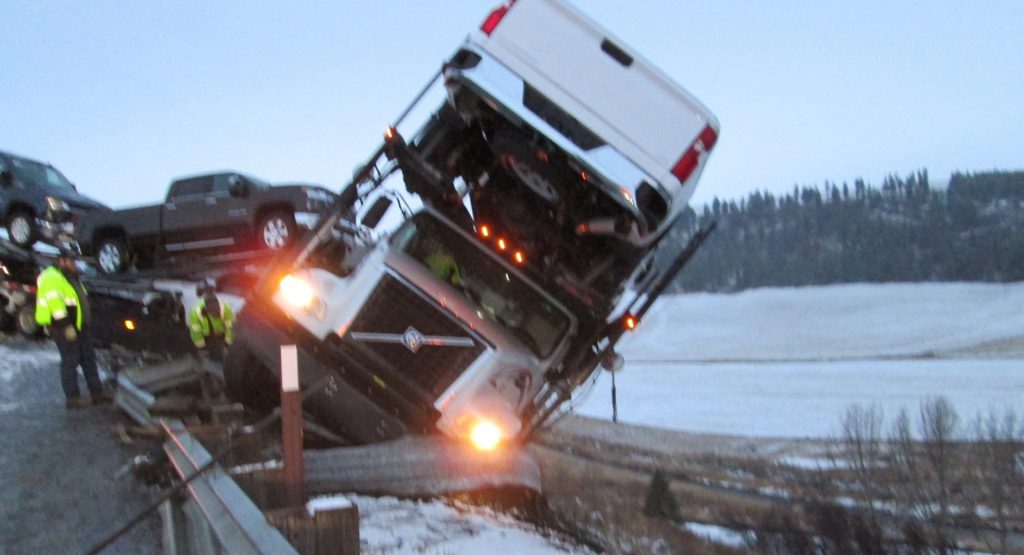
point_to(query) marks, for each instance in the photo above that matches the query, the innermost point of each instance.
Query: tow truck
(484, 262)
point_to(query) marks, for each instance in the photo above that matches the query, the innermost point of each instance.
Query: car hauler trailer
(485, 261)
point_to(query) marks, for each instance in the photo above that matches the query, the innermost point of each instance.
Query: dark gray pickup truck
(202, 213)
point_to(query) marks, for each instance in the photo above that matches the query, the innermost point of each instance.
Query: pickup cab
(202, 214)
(38, 202)
(483, 264)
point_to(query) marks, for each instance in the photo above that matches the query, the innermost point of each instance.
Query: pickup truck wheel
(276, 230)
(112, 255)
(25, 320)
(21, 228)
(248, 381)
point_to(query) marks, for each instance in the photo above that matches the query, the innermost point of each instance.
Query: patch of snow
(392, 526)
(327, 504)
(719, 534)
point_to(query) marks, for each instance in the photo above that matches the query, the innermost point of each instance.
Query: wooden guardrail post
(291, 426)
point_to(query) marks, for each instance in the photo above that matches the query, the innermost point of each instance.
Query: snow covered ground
(787, 362)
(393, 526)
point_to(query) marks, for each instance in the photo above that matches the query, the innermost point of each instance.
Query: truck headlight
(485, 435)
(296, 291)
(54, 204)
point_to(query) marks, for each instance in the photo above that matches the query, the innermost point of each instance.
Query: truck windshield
(499, 294)
(38, 174)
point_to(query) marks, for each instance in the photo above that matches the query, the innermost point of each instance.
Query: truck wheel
(276, 230)
(21, 228)
(248, 381)
(112, 255)
(25, 320)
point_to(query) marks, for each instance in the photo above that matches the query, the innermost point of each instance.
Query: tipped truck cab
(467, 281)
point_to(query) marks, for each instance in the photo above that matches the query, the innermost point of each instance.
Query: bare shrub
(996, 488)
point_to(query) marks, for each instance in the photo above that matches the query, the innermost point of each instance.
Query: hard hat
(207, 284)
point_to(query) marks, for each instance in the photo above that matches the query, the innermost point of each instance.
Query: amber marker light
(297, 292)
(129, 325)
(502, 245)
(519, 257)
(389, 133)
(485, 435)
(485, 231)
(631, 322)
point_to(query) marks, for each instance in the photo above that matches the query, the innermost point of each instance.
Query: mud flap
(419, 466)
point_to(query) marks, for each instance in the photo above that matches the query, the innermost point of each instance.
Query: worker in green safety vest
(62, 307)
(211, 321)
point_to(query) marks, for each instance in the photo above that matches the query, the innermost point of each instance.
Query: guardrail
(217, 516)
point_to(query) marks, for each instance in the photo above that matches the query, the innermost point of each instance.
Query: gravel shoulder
(60, 485)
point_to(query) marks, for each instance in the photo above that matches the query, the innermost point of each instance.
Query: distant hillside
(903, 231)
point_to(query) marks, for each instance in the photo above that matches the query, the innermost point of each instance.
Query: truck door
(192, 219)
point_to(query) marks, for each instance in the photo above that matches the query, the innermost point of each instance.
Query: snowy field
(787, 362)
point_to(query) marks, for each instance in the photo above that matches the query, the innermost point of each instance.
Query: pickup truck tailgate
(604, 84)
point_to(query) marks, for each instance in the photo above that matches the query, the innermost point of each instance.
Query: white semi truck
(482, 265)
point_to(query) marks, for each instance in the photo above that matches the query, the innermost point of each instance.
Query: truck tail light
(494, 18)
(691, 158)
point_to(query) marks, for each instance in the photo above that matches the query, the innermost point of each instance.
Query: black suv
(38, 202)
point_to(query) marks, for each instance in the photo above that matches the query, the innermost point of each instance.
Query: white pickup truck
(475, 273)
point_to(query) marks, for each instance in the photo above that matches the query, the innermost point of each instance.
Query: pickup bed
(202, 213)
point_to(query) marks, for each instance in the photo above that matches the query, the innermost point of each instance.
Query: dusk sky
(124, 96)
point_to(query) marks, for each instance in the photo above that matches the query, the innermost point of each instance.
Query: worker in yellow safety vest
(62, 307)
(211, 321)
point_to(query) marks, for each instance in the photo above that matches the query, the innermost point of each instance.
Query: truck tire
(247, 381)
(276, 230)
(21, 228)
(25, 320)
(112, 255)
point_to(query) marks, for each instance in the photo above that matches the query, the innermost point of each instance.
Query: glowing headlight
(485, 435)
(296, 292)
(56, 205)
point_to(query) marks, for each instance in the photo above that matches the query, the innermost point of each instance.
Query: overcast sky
(123, 96)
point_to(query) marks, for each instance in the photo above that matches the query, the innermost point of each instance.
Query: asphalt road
(60, 488)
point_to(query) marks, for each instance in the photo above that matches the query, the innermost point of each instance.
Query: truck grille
(380, 336)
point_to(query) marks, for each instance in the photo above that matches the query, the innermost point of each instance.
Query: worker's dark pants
(216, 347)
(75, 353)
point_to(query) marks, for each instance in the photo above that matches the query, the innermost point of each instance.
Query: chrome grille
(381, 338)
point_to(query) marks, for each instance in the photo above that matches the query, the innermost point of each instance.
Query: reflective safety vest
(54, 294)
(202, 325)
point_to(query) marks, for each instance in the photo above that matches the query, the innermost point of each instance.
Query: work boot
(75, 403)
(103, 398)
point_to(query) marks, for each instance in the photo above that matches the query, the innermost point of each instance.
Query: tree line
(906, 230)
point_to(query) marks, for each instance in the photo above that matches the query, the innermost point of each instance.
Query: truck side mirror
(376, 212)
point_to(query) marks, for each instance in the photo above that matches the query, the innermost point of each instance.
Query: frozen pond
(799, 399)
